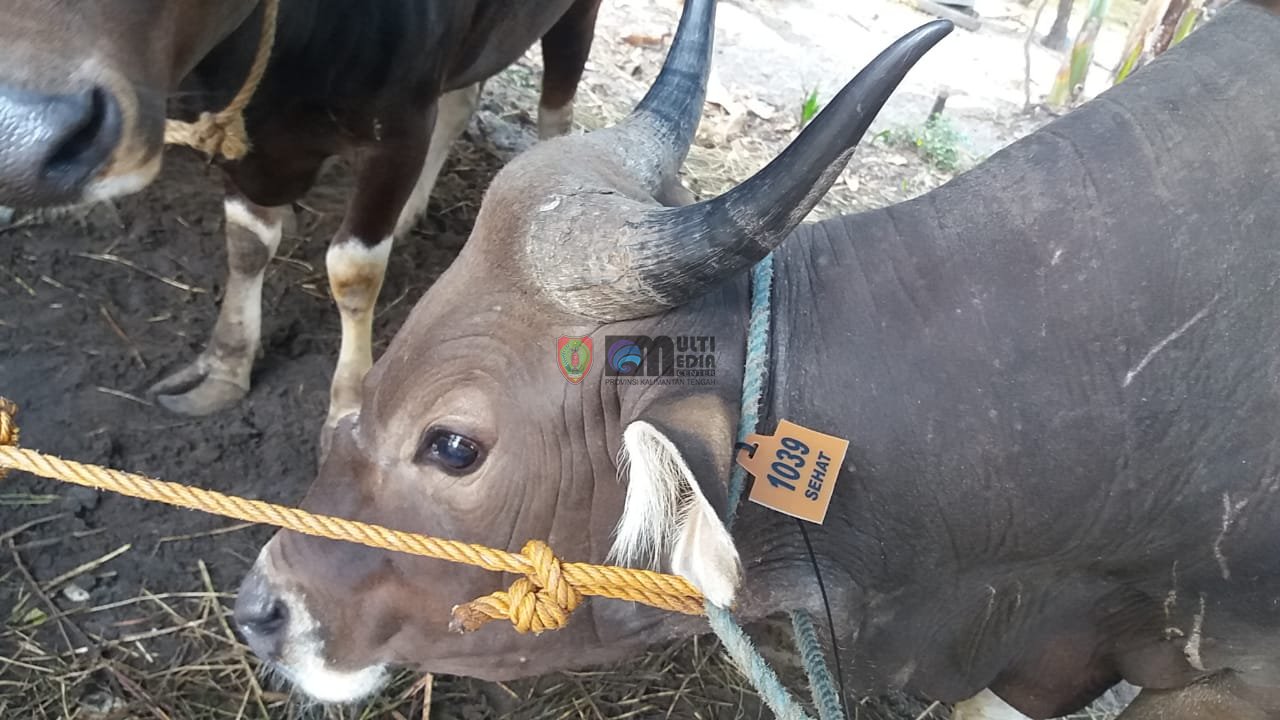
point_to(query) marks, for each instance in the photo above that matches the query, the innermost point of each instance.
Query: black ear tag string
(750, 450)
(747, 478)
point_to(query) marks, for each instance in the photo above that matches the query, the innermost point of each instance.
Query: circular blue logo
(625, 356)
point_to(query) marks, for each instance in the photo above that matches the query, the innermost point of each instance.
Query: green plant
(1069, 82)
(810, 107)
(939, 143)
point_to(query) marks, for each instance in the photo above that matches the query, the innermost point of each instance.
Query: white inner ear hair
(667, 514)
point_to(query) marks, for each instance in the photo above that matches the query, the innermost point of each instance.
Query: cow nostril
(53, 146)
(269, 622)
(274, 621)
(86, 142)
(261, 616)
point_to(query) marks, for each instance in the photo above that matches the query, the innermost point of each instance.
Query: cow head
(83, 88)
(468, 430)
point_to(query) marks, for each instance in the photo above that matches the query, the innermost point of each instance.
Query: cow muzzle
(52, 147)
(278, 627)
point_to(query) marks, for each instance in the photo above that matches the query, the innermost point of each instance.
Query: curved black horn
(650, 259)
(657, 134)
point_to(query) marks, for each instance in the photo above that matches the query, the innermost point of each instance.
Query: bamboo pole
(1069, 83)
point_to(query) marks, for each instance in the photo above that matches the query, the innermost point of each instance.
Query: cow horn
(657, 134)
(650, 259)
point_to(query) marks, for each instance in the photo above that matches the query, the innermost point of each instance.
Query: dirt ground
(115, 608)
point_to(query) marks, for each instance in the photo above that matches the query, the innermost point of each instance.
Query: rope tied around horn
(223, 133)
(542, 599)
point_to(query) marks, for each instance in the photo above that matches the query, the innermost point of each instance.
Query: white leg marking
(220, 375)
(240, 316)
(454, 112)
(666, 510)
(355, 277)
(554, 122)
(986, 705)
(238, 213)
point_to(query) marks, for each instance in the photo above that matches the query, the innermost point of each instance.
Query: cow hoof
(194, 391)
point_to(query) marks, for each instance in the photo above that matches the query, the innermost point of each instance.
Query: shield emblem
(574, 355)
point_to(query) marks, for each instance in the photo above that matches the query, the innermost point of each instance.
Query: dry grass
(173, 657)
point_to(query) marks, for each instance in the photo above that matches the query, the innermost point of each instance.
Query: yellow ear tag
(795, 470)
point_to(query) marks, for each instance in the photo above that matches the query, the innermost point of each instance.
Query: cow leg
(986, 705)
(392, 189)
(219, 377)
(1214, 698)
(564, 55)
(454, 112)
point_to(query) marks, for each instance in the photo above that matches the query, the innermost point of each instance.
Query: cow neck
(755, 380)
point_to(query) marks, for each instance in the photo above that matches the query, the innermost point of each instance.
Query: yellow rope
(541, 600)
(223, 133)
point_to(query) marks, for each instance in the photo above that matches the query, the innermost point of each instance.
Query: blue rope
(821, 684)
(757, 367)
(747, 658)
(735, 641)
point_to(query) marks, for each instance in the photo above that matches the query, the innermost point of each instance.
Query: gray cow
(1059, 376)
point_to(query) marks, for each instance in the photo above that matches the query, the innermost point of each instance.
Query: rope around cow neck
(732, 636)
(541, 600)
(223, 133)
(736, 643)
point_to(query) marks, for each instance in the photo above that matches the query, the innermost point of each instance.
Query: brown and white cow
(388, 85)
(1059, 376)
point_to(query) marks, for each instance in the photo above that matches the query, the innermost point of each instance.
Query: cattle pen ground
(114, 608)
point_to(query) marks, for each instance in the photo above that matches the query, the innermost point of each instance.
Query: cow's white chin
(124, 183)
(303, 661)
(326, 685)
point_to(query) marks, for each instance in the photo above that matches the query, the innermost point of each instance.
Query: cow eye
(448, 449)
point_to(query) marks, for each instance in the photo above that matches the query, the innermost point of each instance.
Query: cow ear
(674, 504)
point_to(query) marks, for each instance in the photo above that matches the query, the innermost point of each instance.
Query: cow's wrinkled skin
(386, 85)
(1058, 375)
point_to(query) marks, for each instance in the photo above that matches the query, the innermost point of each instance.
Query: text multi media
(689, 359)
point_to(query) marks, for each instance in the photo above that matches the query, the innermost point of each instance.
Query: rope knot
(223, 133)
(542, 600)
(214, 134)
